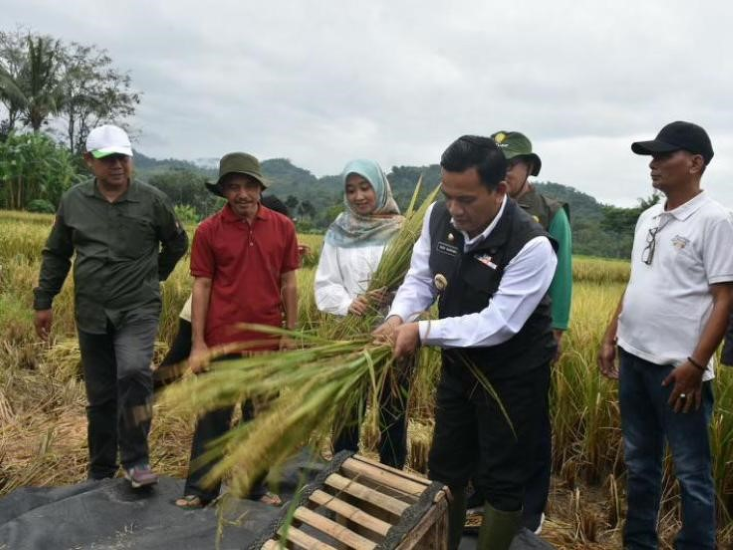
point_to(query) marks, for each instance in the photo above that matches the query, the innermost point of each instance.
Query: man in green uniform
(116, 227)
(552, 215)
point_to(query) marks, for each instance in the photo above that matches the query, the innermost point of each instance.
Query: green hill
(315, 201)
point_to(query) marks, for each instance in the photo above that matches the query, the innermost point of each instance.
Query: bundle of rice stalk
(308, 390)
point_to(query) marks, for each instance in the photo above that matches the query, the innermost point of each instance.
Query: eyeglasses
(647, 255)
(114, 158)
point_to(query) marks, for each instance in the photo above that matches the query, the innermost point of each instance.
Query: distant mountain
(145, 164)
(581, 204)
(207, 163)
(316, 201)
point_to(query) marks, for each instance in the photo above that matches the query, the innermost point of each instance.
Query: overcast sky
(322, 82)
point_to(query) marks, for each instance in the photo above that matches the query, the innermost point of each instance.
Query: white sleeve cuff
(430, 332)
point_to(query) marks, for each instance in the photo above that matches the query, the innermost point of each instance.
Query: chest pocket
(133, 236)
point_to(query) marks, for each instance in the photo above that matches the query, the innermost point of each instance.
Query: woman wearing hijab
(352, 249)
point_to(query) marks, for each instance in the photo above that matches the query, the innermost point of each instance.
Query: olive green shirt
(553, 217)
(119, 258)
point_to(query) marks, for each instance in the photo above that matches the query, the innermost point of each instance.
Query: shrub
(41, 206)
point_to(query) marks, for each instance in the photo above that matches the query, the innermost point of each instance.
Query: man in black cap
(667, 327)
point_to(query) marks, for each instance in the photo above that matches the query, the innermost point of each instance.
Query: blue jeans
(646, 421)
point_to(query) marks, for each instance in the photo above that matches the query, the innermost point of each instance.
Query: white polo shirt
(668, 303)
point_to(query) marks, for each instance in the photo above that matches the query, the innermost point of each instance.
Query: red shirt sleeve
(202, 255)
(291, 260)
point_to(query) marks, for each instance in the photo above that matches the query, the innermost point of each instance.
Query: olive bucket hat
(237, 163)
(517, 145)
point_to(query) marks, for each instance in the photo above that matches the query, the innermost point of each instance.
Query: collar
(228, 215)
(469, 243)
(524, 200)
(91, 189)
(684, 211)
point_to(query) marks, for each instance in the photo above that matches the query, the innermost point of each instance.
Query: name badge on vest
(448, 249)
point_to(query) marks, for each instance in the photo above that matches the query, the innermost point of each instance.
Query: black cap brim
(653, 147)
(534, 160)
(536, 164)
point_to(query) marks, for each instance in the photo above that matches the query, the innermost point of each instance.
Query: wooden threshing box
(360, 504)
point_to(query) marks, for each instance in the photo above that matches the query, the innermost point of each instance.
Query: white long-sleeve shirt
(343, 274)
(524, 283)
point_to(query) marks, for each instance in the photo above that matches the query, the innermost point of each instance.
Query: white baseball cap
(108, 140)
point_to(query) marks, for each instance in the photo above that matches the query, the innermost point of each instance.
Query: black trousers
(119, 386)
(209, 427)
(179, 351)
(474, 439)
(538, 484)
(392, 422)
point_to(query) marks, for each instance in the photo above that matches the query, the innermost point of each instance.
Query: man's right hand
(385, 332)
(607, 359)
(43, 320)
(199, 358)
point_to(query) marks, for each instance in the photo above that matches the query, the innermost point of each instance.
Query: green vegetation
(33, 167)
(44, 80)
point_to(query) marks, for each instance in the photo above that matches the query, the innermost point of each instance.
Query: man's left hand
(687, 390)
(407, 340)
(557, 333)
(287, 343)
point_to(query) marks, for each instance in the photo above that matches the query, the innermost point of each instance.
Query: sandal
(271, 499)
(191, 502)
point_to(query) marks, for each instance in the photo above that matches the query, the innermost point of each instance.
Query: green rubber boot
(498, 528)
(456, 516)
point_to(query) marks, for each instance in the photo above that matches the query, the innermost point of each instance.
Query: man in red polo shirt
(243, 260)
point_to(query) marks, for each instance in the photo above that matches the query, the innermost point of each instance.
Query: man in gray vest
(489, 265)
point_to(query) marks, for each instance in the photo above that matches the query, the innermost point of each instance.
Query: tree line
(52, 93)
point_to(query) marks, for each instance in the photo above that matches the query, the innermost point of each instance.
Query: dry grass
(43, 423)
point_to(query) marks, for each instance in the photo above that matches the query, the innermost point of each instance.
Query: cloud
(323, 82)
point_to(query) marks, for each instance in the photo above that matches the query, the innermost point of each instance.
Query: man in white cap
(116, 227)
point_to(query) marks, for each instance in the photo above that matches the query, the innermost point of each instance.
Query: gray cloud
(323, 82)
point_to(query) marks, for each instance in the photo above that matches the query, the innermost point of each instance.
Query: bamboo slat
(351, 487)
(349, 512)
(402, 473)
(300, 538)
(333, 529)
(359, 468)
